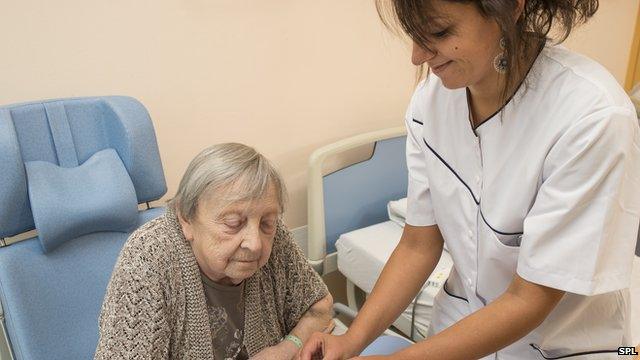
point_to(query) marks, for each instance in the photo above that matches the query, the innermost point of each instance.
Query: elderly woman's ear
(187, 229)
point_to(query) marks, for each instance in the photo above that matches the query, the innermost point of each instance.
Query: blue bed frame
(355, 196)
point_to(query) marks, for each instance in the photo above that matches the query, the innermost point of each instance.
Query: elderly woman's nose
(251, 238)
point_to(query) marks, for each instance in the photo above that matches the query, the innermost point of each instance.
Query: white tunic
(549, 189)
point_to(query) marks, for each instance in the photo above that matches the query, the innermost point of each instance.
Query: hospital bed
(355, 220)
(76, 178)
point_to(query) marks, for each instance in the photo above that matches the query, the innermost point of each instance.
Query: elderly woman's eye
(233, 223)
(268, 226)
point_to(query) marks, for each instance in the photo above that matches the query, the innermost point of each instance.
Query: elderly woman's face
(231, 244)
(464, 46)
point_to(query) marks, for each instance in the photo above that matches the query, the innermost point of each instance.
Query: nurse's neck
(485, 98)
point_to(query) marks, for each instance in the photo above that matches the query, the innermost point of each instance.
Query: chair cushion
(69, 202)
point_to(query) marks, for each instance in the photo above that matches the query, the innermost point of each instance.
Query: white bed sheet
(362, 254)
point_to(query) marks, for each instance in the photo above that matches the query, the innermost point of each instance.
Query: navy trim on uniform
(510, 97)
(467, 94)
(575, 354)
(476, 200)
(444, 287)
(493, 229)
(419, 122)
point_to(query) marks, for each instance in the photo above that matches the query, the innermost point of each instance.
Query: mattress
(362, 254)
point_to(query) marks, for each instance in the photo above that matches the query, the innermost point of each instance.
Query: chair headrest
(66, 133)
(68, 202)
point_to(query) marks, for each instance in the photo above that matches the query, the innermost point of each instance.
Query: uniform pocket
(451, 294)
(497, 262)
(509, 240)
(449, 305)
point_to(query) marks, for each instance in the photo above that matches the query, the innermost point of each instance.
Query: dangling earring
(500, 61)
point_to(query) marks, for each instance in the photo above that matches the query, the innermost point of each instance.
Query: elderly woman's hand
(285, 350)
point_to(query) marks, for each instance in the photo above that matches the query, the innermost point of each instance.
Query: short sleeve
(581, 231)
(419, 205)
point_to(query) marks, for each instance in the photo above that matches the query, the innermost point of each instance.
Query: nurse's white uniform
(549, 189)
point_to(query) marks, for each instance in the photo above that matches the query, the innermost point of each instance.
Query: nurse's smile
(439, 69)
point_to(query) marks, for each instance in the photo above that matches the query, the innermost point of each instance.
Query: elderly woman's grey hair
(226, 167)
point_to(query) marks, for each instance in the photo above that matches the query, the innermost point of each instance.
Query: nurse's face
(462, 48)
(232, 243)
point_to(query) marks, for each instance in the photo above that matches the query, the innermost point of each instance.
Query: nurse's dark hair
(538, 20)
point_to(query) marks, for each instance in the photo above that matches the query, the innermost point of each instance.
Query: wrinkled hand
(327, 347)
(285, 350)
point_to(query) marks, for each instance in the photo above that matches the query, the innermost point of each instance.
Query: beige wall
(283, 76)
(607, 37)
(286, 76)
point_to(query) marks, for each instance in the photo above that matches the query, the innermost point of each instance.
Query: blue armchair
(75, 170)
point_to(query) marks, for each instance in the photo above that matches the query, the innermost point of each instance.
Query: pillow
(69, 202)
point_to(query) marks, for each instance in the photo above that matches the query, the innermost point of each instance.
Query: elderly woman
(218, 276)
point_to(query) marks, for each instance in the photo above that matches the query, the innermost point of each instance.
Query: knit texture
(155, 306)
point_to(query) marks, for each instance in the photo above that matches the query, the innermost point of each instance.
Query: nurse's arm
(409, 266)
(510, 317)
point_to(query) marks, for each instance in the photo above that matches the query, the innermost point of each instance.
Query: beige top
(155, 306)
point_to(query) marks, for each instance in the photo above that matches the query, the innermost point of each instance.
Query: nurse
(523, 159)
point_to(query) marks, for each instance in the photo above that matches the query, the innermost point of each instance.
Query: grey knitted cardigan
(155, 306)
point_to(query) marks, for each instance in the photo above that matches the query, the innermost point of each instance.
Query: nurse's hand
(285, 350)
(328, 347)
